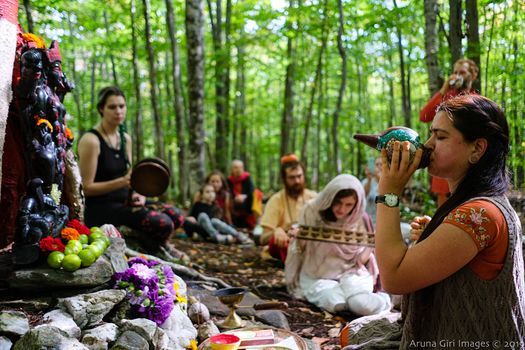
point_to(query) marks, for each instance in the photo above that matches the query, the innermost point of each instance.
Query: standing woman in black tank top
(104, 156)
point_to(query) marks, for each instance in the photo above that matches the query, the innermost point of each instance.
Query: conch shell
(386, 139)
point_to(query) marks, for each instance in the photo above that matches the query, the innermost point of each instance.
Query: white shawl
(324, 260)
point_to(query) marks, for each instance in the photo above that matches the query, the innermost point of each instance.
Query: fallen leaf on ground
(333, 332)
(320, 341)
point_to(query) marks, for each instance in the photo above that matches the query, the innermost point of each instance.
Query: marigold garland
(46, 122)
(69, 233)
(50, 244)
(69, 134)
(80, 227)
(39, 42)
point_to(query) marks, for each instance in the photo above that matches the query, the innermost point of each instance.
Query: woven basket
(324, 234)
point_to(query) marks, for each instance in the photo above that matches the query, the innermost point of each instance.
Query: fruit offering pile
(77, 247)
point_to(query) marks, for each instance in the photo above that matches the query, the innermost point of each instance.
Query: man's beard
(294, 191)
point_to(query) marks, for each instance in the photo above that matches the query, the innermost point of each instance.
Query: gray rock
(5, 343)
(13, 322)
(107, 332)
(273, 318)
(116, 254)
(145, 328)
(63, 321)
(43, 277)
(206, 330)
(90, 309)
(47, 337)
(130, 341)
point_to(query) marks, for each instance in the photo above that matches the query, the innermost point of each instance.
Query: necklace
(117, 155)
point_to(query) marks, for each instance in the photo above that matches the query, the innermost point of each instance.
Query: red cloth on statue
(277, 252)
(13, 181)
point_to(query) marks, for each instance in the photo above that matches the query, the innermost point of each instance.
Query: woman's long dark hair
(477, 117)
(328, 214)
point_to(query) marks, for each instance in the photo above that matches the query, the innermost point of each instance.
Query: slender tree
(178, 102)
(110, 49)
(78, 89)
(315, 86)
(137, 129)
(342, 88)
(473, 45)
(456, 33)
(159, 137)
(431, 46)
(29, 16)
(195, 47)
(221, 35)
(405, 88)
(287, 118)
(239, 142)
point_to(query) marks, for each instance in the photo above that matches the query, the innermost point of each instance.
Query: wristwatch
(389, 199)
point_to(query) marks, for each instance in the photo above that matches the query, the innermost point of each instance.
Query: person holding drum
(104, 162)
(335, 276)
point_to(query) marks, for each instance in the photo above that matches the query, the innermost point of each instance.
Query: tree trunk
(77, 90)
(93, 93)
(111, 57)
(239, 132)
(29, 16)
(159, 137)
(178, 103)
(489, 48)
(137, 130)
(431, 46)
(456, 34)
(342, 87)
(287, 118)
(8, 30)
(473, 46)
(195, 47)
(222, 80)
(405, 97)
(315, 84)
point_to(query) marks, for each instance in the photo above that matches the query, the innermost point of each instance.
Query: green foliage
(372, 100)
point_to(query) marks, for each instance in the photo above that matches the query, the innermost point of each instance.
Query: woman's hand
(395, 176)
(137, 200)
(418, 225)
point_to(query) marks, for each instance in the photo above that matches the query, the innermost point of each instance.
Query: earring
(473, 159)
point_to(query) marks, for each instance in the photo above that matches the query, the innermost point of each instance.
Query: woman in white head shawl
(333, 276)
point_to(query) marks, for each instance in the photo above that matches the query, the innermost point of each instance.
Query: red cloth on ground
(275, 251)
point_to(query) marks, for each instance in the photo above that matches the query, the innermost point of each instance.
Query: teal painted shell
(386, 139)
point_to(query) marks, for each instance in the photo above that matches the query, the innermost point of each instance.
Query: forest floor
(244, 267)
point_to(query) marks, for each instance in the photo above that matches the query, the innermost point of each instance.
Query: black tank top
(111, 164)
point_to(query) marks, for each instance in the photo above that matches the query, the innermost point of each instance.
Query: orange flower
(39, 42)
(46, 122)
(69, 133)
(69, 233)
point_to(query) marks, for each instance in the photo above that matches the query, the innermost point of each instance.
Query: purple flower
(139, 260)
(149, 288)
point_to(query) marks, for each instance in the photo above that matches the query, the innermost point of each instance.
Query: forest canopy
(280, 76)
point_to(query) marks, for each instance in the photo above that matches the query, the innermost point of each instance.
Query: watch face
(391, 200)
